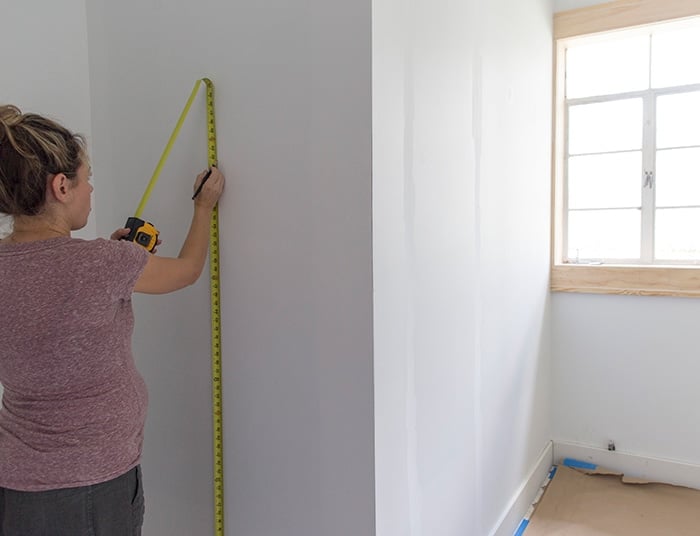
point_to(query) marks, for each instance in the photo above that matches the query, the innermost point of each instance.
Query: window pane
(617, 65)
(605, 126)
(673, 61)
(604, 234)
(678, 120)
(677, 234)
(678, 177)
(605, 180)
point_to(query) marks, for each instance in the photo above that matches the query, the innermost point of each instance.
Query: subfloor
(597, 502)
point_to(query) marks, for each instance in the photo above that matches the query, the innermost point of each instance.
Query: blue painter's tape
(522, 527)
(525, 522)
(577, 464)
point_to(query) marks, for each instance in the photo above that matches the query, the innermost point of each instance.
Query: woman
(74, 405)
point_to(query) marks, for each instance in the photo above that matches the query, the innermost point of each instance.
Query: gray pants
(113, 508)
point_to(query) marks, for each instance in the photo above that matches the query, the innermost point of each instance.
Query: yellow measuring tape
(214, 289)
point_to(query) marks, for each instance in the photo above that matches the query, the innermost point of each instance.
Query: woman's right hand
(211, 190)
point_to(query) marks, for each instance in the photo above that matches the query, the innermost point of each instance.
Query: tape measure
(215, 295)
(142, 232)
(149, 236)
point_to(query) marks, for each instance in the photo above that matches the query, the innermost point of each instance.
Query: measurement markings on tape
(217, 391)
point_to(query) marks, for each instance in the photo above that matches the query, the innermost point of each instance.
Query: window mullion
(647, 178)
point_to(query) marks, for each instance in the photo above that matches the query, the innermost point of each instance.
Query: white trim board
(521, 502)
(653, 469)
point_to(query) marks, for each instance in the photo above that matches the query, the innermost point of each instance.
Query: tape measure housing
(142, 233)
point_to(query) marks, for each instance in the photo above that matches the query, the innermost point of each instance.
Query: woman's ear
(59, 187)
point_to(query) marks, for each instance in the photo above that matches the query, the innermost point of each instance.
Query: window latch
(648, 179)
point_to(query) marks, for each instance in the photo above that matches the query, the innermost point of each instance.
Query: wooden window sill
(629, 280)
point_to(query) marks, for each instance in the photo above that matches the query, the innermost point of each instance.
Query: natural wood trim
(557, 182)
(634, 280)
(554, 253)
(620, 14)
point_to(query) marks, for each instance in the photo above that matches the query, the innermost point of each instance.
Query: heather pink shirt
(74, 405)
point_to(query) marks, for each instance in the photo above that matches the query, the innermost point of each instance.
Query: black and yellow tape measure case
(142, 233)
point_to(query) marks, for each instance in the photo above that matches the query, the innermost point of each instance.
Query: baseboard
(654, 469)
(522, 500)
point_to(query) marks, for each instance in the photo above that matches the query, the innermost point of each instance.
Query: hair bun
(10, 115)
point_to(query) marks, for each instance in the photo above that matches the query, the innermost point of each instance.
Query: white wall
(624, 369)
(45, 69)
(461, 134)
(294, 127)
(565, 5)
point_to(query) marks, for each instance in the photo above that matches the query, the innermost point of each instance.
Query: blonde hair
(33, 148)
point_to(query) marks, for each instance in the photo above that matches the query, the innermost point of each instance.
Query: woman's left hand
(120, 233)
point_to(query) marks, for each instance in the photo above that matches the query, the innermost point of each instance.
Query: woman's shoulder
(102, 244)
(97, 252)
(117, 249)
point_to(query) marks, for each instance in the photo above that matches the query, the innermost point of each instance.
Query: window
(627, 150)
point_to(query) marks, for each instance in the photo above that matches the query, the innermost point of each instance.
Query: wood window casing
(682, 280)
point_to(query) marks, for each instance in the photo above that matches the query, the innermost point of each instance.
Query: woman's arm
(167, 274)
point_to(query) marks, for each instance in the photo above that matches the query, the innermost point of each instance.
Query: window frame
(637, 279)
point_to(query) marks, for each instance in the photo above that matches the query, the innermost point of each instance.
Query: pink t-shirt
(74, 405)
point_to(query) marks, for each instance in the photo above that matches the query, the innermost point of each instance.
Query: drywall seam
(477, 104)
(409, 200)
